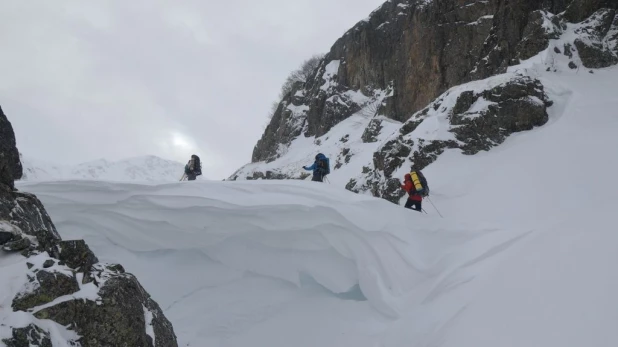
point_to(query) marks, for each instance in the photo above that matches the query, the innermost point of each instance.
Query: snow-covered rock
(56, 292)
(371, 150)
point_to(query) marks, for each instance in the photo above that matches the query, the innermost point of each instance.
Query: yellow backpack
(421, 189)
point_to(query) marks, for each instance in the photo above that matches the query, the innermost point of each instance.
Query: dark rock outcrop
(108, 308)
(513, 107)
(478, 121)
(49, 285)
(597, 41)
(118, 317)
(372, 131)
(536, 35)
(18, 244)
(6, 236)
(428, 151)
(30, 336)
(75, 254)
(10, 165)
(26, 212)
(578, 10)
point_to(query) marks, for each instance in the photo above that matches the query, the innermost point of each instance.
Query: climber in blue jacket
(320, 167)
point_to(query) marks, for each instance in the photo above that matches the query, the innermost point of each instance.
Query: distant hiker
(320, 167)
(193, 168)
(415, 184)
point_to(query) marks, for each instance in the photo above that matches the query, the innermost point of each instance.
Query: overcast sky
(83, 80)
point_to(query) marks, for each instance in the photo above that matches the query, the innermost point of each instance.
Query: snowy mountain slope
(145, 168)
(470, 118)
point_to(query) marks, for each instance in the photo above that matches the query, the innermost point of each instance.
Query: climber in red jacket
(415, 195)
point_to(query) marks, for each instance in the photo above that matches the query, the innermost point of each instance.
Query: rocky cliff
(10, 166)
(56, 292)
(409, 54)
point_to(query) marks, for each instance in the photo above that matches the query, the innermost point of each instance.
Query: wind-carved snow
(291, 245)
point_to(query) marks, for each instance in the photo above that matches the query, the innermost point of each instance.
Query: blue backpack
(322, 164)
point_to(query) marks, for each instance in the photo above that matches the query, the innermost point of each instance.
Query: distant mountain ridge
(141, 168)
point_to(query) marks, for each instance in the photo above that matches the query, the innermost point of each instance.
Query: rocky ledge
(63, 294)
(473, 117)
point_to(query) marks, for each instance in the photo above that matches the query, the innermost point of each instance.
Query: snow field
(200, 248)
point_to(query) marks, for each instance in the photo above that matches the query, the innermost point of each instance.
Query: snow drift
(299, 233)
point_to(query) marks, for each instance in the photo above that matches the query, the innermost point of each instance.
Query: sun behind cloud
(181, 142)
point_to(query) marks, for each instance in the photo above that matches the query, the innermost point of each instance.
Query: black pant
(414, 205)
(191, 177)
(317, 177)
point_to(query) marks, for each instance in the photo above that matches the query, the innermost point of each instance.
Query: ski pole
(327, 180)
(434, 206)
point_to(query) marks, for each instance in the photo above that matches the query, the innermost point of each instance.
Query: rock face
(474, 117)
(597, 41)
(403, 56)
(65, 283)
(409, 54)
(47, 286)
(10, 166)
(118, 316)
(31, 335)
(372, 131)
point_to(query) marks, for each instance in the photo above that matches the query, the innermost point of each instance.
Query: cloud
(114, 79)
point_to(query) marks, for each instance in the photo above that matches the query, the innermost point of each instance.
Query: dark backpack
(322, 164)
(197, 166)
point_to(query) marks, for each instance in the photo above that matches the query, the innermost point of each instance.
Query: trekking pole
(327, 180)
(183, 177)
(434, 206)
(424, 211)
